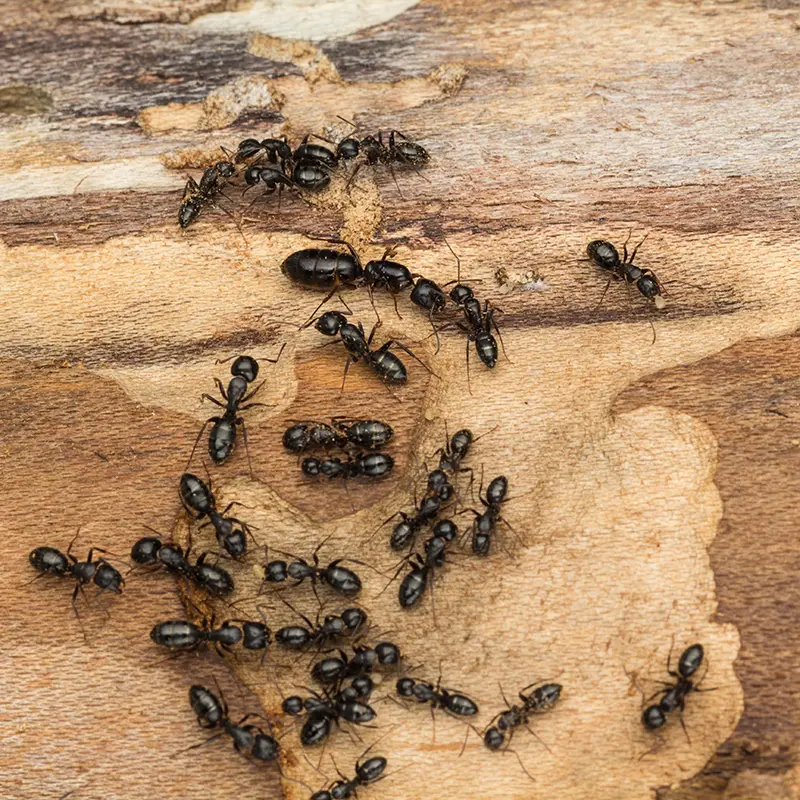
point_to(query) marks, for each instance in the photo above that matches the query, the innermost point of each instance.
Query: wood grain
(652, 483)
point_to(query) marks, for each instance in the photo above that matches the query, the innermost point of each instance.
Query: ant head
(245, 367)
(277, 149)
(460, 293)
(330, 323)
(252, 175)
(146, 549)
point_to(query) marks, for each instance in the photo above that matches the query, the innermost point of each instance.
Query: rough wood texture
(652, 483)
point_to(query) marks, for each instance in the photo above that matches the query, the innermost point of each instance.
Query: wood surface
(653, 484)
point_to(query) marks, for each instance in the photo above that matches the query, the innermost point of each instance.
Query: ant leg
(394, 178)
(344, 377)
(625, 247)
(469, 385)
(372, 302)
(683, 725)
(538, 738)
(602, 296)
(328, 296)
(202, 430)
(277, 357)
(74, 539)
(435, 333)
(394, 298)
(212, 399)
(669, 658)
(353, 175)
(79, 588)
(635, 249)
(240, 421)
(195, 746)
(413, 355)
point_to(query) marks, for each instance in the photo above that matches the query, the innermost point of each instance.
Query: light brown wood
(652, 483)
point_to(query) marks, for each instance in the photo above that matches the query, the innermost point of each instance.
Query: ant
(453, 702)
(339, 578)
(222, 438)
(478, 321)
(674, 696)
(370, 771)
(151, 551)
(455, 450)
(367, 433)
(439, 491)
(323, 710)
(348, 623)
(50, 561)
(196, 196)
(362, 662)
(198, 499)
(185, 635)
(370, 465)
(249, 740)
(413, 586)
(604, 255)
(385, 364)
(541, 699)
(484, 525)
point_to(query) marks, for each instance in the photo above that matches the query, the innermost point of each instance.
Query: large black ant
(339, 578)
(363, 661)
(185, 635)
(249, 740)
(334, 626)
(196, 196)
(421, 575)
(485, 523)
(222, 437)
(367, 433)
(674, 696)
(199, 501)
(323, 710)
(604, 255)
(541, 699)
(368, 465)
(152, 551)
(50, 561)
(385, 364)
(367, 772)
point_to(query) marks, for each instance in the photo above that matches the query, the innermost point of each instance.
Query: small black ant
(222, 437)
(339, 578)
(196, 196)
(674, 696)
(455, 450)
(541, 699)
(199, 501)
(249, 740)
(363, 661)
(421, 575)
(50, 561)
(323, 710)
(385, 364)
(367, 772)
(152, 551)
(604, 255)
(368, 465)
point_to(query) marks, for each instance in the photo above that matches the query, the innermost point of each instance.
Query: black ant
(334, 626)
(363, 661)
(413, 586)
(339, 578)
(199, 501)
(453, 702)
(674, 696)
(222, 438)
(455, 451)
(369, 465)
(277, 151)
(604, 255)
(50, 561)
(185, 635)
(367, 433)
(196, 196)
(439, 491)
(152, 551)
(385, 364)
(249, 740)
(541, 699)
(485, 523)
(323, 710)
(367, 772)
